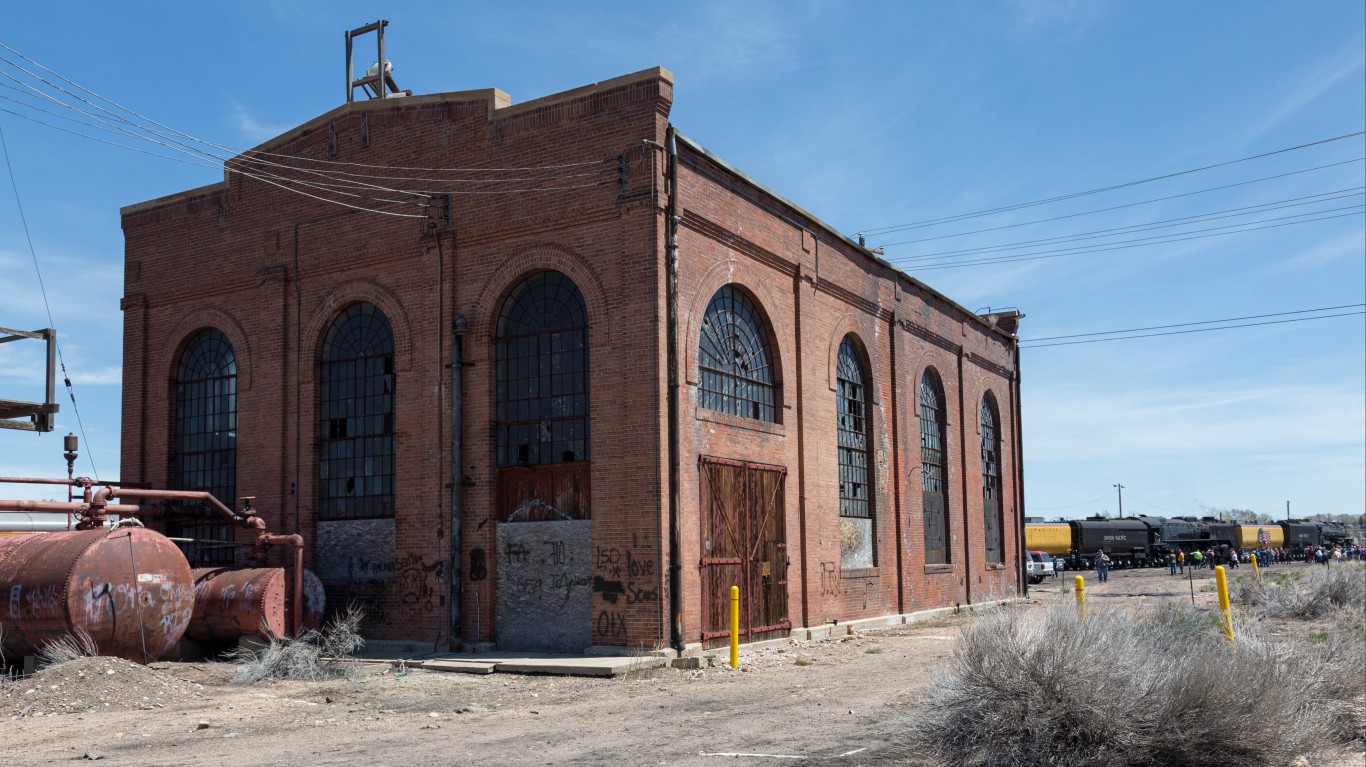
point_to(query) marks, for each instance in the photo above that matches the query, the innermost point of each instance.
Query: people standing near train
(1102, 566)
(1233, 559)
(1171, 561)
(1196, 559)
(1181, 561)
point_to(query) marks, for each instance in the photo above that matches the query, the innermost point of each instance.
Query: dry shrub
(77, 644)
(313, 656)
(1320, 592)
(1116, 690)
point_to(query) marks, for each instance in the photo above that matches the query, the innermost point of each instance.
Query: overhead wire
(229, 148)
(1120, 207)
(1109, 188)
(236, 164)
(1246, 210)
(1193, 330)
(1142, 242)
(1201, 322)
(42, 289)
(1073, 506)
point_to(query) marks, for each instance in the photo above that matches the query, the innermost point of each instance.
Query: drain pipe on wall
(459, 327)
(675, 490)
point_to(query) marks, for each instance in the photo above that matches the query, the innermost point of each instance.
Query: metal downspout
(1016, 422)
(459, 327)
(896, 464)
(963, 457)
(675, 499)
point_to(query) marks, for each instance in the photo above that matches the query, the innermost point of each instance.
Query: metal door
(743, 544)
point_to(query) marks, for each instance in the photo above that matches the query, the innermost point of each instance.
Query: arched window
(733, 359)
(991, 482)
(933, 475)
(542, 373)
(854, 437)
(204, 453)
(356, 462)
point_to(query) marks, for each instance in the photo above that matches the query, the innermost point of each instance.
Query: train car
(1125, 540)
(1298, 534)
(1334, 534)
(1054, 538)
(1250, 536)
(1170, 535)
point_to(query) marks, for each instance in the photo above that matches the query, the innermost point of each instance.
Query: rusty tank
(230, 604)
(129, 589)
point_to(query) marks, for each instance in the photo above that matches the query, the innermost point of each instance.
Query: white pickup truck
(1038, 565)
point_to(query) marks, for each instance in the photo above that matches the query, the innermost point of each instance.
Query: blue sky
(869, 115)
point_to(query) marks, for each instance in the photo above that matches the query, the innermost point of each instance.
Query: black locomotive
(1145, 541)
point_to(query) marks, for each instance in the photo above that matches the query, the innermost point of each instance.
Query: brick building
(456, 383)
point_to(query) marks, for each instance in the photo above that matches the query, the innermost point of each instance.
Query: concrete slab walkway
(514, 662)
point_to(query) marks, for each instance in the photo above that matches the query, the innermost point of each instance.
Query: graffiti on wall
(544, 585)
(623, 576)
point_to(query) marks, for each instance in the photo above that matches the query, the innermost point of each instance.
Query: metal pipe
(675, 449)
(1017, 426)
(295, 606)
(64, 506)
(137, 494)
(963, 480)
(896, 462)
(74, 482)
(459, 327)
(801, 435)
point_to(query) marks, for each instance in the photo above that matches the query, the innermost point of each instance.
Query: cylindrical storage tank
(230, 604)
(129, 589)
(1054, 539)
(1248, 536)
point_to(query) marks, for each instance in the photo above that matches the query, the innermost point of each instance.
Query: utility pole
(1120, 488)
(1287, 511)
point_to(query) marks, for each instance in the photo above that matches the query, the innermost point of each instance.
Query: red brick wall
(271, 269)
(815, 288)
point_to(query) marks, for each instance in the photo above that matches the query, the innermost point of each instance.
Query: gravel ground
(840, 702)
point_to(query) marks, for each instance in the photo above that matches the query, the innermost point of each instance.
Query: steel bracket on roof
(32, 416)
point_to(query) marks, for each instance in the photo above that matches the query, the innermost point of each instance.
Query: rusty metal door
(743, 544)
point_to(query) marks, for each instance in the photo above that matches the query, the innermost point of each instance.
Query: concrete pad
(458, 666)
(581, 666)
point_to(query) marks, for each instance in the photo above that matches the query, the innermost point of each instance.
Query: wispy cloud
(1303, 91)
(249, 126)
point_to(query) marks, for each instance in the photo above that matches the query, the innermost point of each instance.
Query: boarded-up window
(991, 482)
(356, 462)
(933, 474)
(854, 442)
(734, 362)
(204, 452)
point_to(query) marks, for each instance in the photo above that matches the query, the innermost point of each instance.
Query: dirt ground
(837, 702)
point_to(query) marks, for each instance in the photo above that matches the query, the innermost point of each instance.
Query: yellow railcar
(1051, 538)
(1245, 536)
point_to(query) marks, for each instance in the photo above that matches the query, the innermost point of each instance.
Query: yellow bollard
(735, 627)
(1256, 571)
(1224, 609)
(1081, 595)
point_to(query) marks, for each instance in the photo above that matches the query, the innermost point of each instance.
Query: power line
(1121, 207)
(1098, 190)
(239, 150)
(42, 289)
(1165, 240)
(1073, 506)
(1246, 210)
(1195, 330)
(1190, 324)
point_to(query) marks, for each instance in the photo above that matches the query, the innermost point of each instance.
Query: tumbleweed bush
(1117, 690)
(313, 656)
